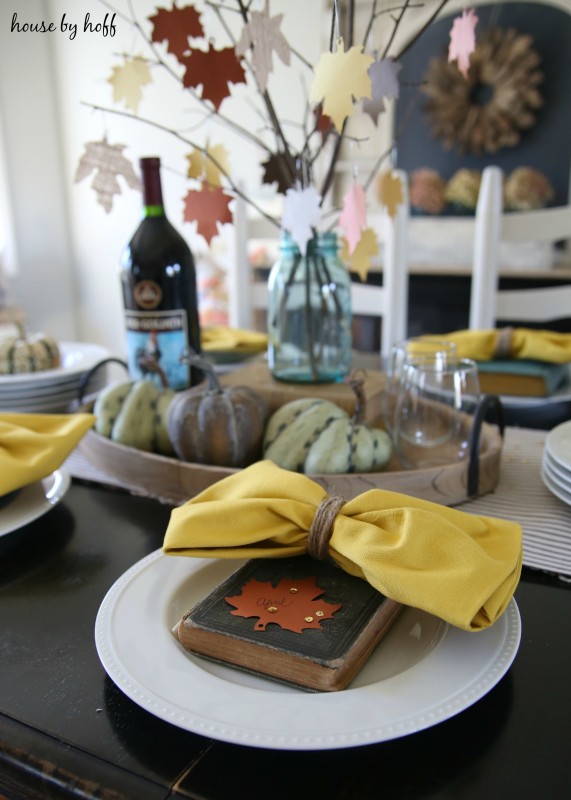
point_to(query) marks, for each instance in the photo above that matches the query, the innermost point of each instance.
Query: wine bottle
(158, 279)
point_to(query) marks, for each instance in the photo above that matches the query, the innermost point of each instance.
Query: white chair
(389, 301)
(492, 226)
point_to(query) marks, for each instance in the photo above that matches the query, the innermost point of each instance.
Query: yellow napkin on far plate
(32, 446)
(461, 567)
(506, 343)
(219, 337)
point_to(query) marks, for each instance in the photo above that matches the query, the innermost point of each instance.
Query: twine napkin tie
(461, 567)
(516, 343)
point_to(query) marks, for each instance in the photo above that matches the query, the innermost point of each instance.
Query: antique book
(522, 377)
(297, 620)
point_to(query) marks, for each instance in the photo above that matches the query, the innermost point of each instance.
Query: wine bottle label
(156, 342)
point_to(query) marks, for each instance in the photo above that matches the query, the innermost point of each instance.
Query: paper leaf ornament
(292, 604)
(209, 164)
(384, 79)
(390, 192)
(301, 213)
(107, 162)
(274, 172)
(263, 35)
(208, 208)
(340, 79)
(359, 260)
(215, 70)
(174, 26)
(354, 215)
(463, 40)
(128, 80)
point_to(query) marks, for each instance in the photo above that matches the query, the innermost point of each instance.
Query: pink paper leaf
(354, 215)
(463, 40)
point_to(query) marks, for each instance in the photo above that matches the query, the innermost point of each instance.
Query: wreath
(487, 110)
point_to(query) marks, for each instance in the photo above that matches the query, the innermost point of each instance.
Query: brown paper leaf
(107, 161)
(128, 80)
(215, 70)
(175, 25)
(273, 173)
(208, 208)
(263, 35)
(292, 604)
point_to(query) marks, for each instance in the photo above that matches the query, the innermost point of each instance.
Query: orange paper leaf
(208, 208)
(215, 70)
(175, 25)
(292, 604)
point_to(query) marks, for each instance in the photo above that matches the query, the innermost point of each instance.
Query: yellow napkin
(461, 567)
(32, 446)
(218, 337)
(539, 345)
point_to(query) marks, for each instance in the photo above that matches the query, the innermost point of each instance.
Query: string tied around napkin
(504, 343)
(463, 568)
(322, 526)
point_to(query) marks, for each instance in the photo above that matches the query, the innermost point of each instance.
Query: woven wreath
(498, 100)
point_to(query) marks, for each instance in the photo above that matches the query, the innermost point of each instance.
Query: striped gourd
(20, 355)
(315, 436)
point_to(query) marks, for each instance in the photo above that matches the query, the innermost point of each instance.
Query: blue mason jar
(309, 313)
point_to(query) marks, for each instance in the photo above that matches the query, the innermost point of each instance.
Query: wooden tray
(177, 481)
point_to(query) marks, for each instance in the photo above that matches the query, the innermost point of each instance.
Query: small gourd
(134, 413)
(21, 354)
(209, 424)
(315, 436)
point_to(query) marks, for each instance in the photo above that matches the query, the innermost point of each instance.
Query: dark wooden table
(67, 731)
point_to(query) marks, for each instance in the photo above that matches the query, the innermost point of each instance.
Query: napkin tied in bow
(508, 343)
(32, 446)
(461, 567)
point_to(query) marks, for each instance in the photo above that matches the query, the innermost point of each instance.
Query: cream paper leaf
(128, 80)
(263, 35)
(359, 260)
(212, 169)
(340, 79)
(107, 162)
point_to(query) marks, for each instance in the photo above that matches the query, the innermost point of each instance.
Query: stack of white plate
(54, 391)
(556, 462)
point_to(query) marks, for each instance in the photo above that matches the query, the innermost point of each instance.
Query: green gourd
(134, 414)
(315, 436)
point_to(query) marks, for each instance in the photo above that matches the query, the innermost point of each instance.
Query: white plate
(33, 501)
(558, 444)
(555, 486)
(77, 357)
(422, 673)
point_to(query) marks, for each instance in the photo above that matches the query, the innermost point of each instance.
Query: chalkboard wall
(546, 146)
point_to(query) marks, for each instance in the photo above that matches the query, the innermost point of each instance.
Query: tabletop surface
(67, 731)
